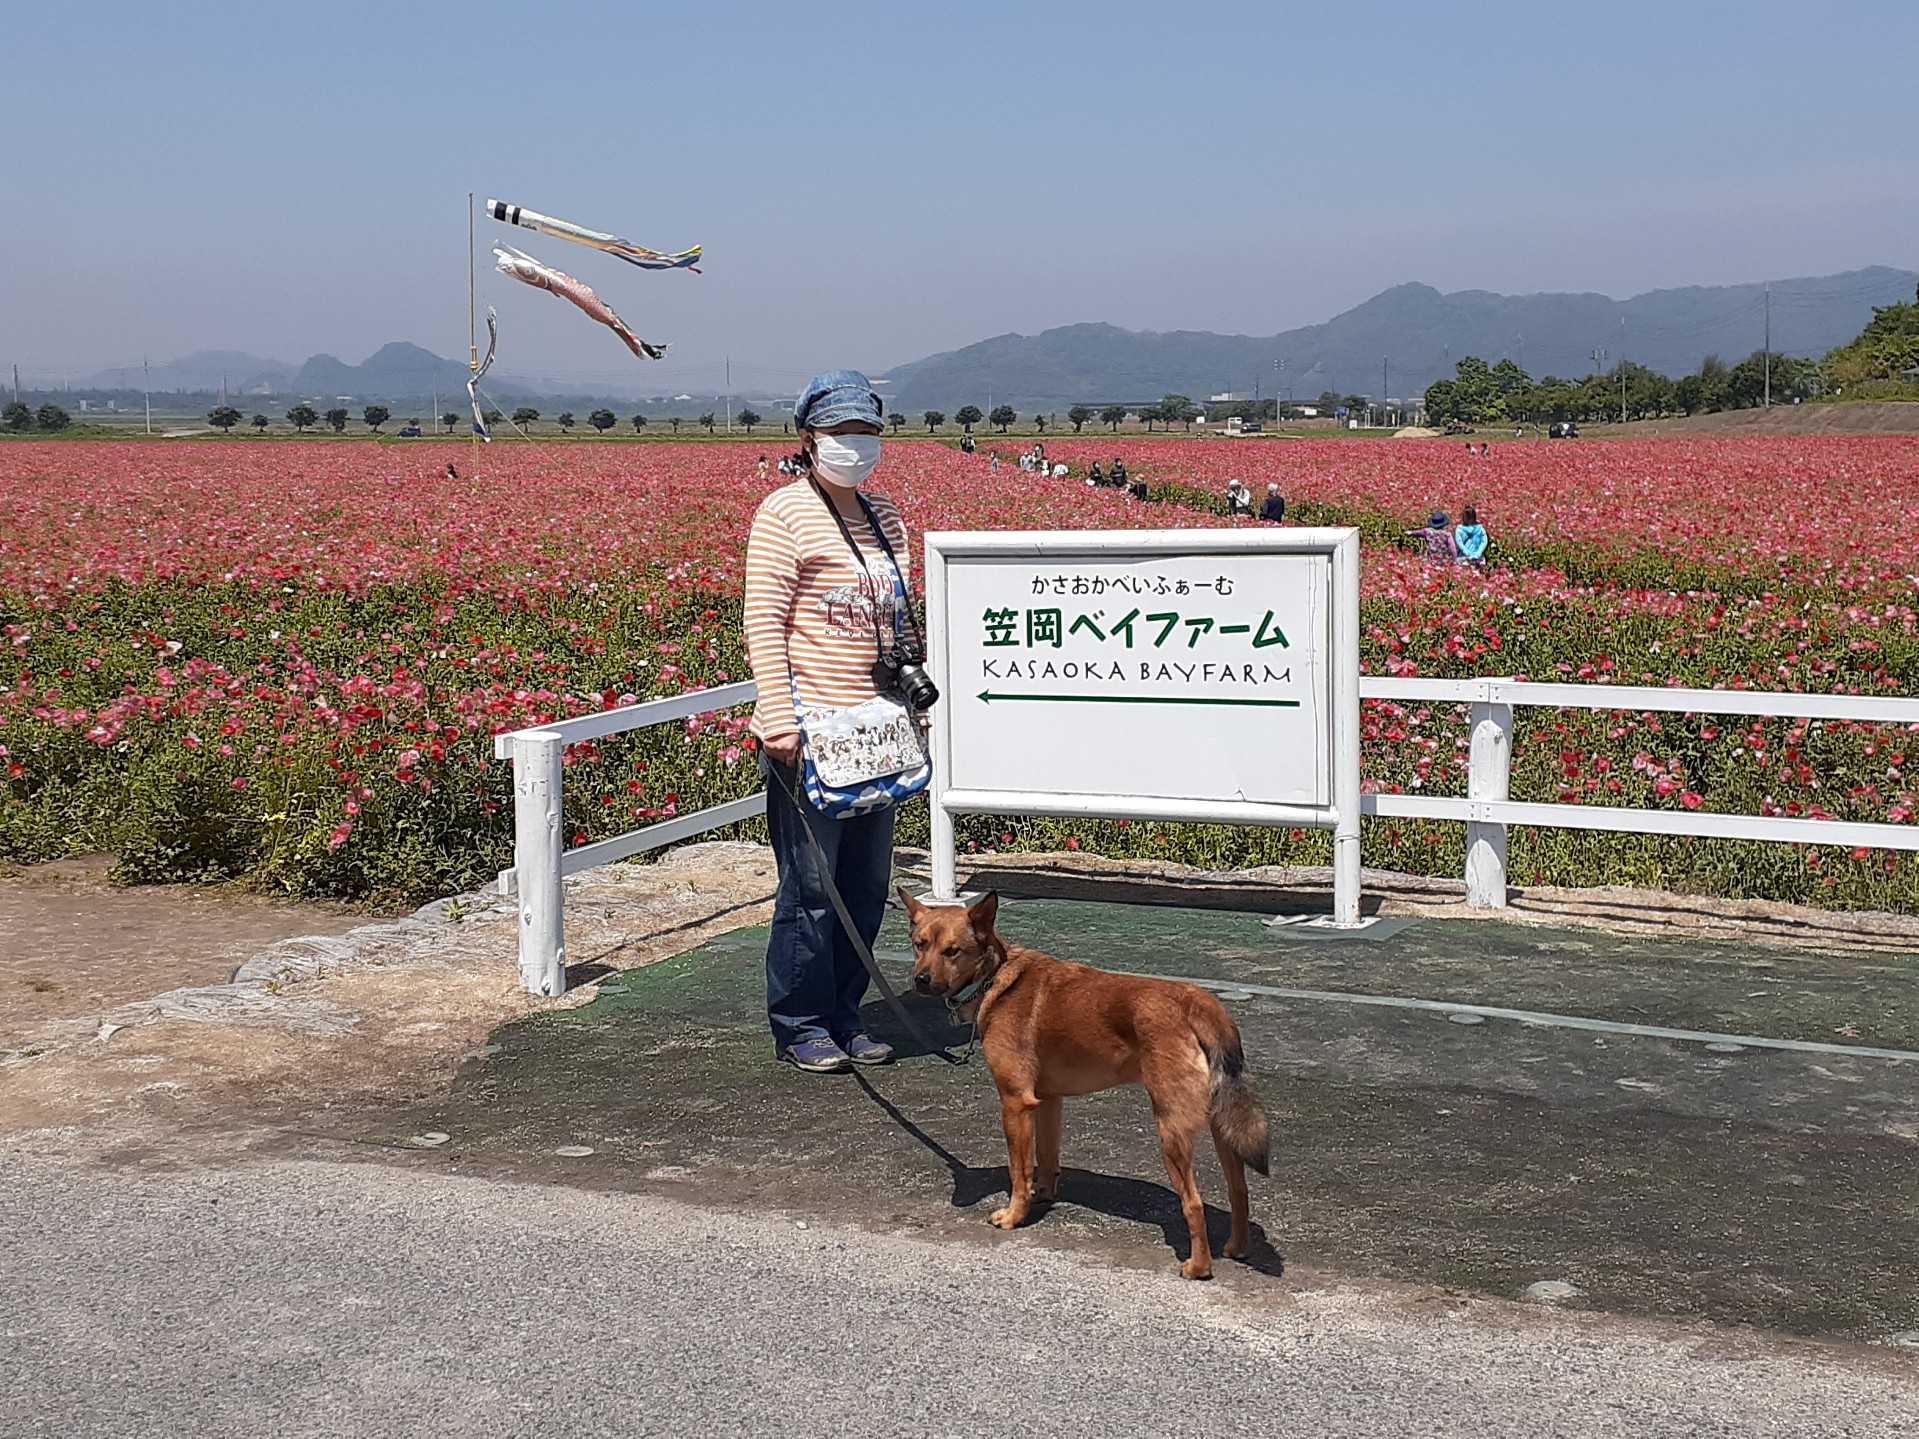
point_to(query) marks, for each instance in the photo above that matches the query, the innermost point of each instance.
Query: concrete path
(329, 1299)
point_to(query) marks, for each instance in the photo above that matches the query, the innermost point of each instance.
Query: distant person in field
(451, 473)
(1239, 499)
(1470, 538)
(1118, 473)
(1094, 477)
(761, 467)
(1274, 510)
(992, 464)
(1438, 535)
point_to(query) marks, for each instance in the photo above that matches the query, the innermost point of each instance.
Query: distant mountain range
(1419, 334)
(1417, 331)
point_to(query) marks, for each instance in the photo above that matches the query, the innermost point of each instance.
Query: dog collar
(977, 989)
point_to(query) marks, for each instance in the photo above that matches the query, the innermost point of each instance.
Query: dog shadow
(1136, 1201)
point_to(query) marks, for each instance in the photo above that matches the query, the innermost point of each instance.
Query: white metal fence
(541, 860)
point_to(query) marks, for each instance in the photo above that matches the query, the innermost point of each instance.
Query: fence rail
(541, 861)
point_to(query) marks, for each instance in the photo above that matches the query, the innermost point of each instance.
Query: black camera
(904, 669)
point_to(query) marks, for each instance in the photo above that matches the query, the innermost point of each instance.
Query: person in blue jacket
(1470, 536)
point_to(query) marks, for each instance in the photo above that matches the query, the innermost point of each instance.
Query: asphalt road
(321, 1298)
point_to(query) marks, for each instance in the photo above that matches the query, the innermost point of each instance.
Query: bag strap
(852, 930)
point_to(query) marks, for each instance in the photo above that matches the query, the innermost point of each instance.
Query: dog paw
(1004, 1218)
(1196, 1269)
(1236, 1250)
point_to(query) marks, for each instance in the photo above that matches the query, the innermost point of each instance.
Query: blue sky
(876, 183)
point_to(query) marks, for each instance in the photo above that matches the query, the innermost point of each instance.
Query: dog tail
(1235, 1112)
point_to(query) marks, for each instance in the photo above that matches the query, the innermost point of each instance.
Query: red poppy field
(286, 663)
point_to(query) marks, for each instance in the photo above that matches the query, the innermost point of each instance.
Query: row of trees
(1174, 409)
(19, 418)
(1481, 393)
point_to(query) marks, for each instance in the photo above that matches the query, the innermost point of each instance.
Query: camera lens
(920, 691)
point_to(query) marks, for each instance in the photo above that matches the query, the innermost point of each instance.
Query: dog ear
(913, 906)
(983, 911)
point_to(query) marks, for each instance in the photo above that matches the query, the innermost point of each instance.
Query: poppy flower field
(286, 663)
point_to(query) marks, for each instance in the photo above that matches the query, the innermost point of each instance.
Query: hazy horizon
(871, 191)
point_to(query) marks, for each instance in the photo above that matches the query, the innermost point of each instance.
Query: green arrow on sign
(987, 697)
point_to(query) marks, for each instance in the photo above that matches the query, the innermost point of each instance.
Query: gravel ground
(321, 1298)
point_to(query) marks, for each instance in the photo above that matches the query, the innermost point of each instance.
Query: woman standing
(826, 572)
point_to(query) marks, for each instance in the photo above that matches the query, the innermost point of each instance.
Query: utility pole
(729, 394)
(146, 384)
(1385, 387)
(1768, 348)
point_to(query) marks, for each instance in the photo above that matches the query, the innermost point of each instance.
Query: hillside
(1418, 330)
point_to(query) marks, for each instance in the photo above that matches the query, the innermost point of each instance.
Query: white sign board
(1173, 676)
(1206, 675)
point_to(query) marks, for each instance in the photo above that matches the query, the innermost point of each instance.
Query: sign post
(1181, 675)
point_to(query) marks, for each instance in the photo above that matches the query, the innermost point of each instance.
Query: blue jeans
(814, 977)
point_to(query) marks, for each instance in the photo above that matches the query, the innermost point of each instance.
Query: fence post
(1343, 695)
(538, 842)
(1490, 777)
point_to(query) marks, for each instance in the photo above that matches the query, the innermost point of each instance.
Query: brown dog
(1050, 1029)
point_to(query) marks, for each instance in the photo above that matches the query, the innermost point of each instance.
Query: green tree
(223, 418)
(1149, 415)
(17, 417)
(1327, 402)
(675, 423)
(1442, 403)
(1039, 423)
(1509, 379)
(376, 416)
(566, 421)
(492, 418)
(1178, 409)
(639, 423)
(1113, 415)
(748, 419)
(525, 417)
(51, 418)
(707, 420)
(1079, 415)
(603, 420)
(896, 419)
(1003, 416)
(1885, 350)
(337, 418)
(934, 419)
(450, 420)
(260, 422)
(302, 418)
(968, 416)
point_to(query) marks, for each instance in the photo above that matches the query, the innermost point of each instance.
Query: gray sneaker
(816, 1056)
(862, 1049)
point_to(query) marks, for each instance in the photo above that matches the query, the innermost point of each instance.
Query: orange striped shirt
(809, 609)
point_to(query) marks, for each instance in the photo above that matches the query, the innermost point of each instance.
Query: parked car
(409, 432)
(1563, 430)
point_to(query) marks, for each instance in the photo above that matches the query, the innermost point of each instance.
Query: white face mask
(845, 459)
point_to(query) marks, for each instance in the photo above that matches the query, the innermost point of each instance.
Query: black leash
(852, 930)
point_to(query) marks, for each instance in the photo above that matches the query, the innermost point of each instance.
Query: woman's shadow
(1133, 1200)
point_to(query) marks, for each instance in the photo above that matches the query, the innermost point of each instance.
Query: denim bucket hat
(835, 398)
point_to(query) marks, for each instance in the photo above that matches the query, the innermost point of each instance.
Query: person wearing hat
(821, 563)
(1438, 536)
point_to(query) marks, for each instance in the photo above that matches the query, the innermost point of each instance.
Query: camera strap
(901, 609)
